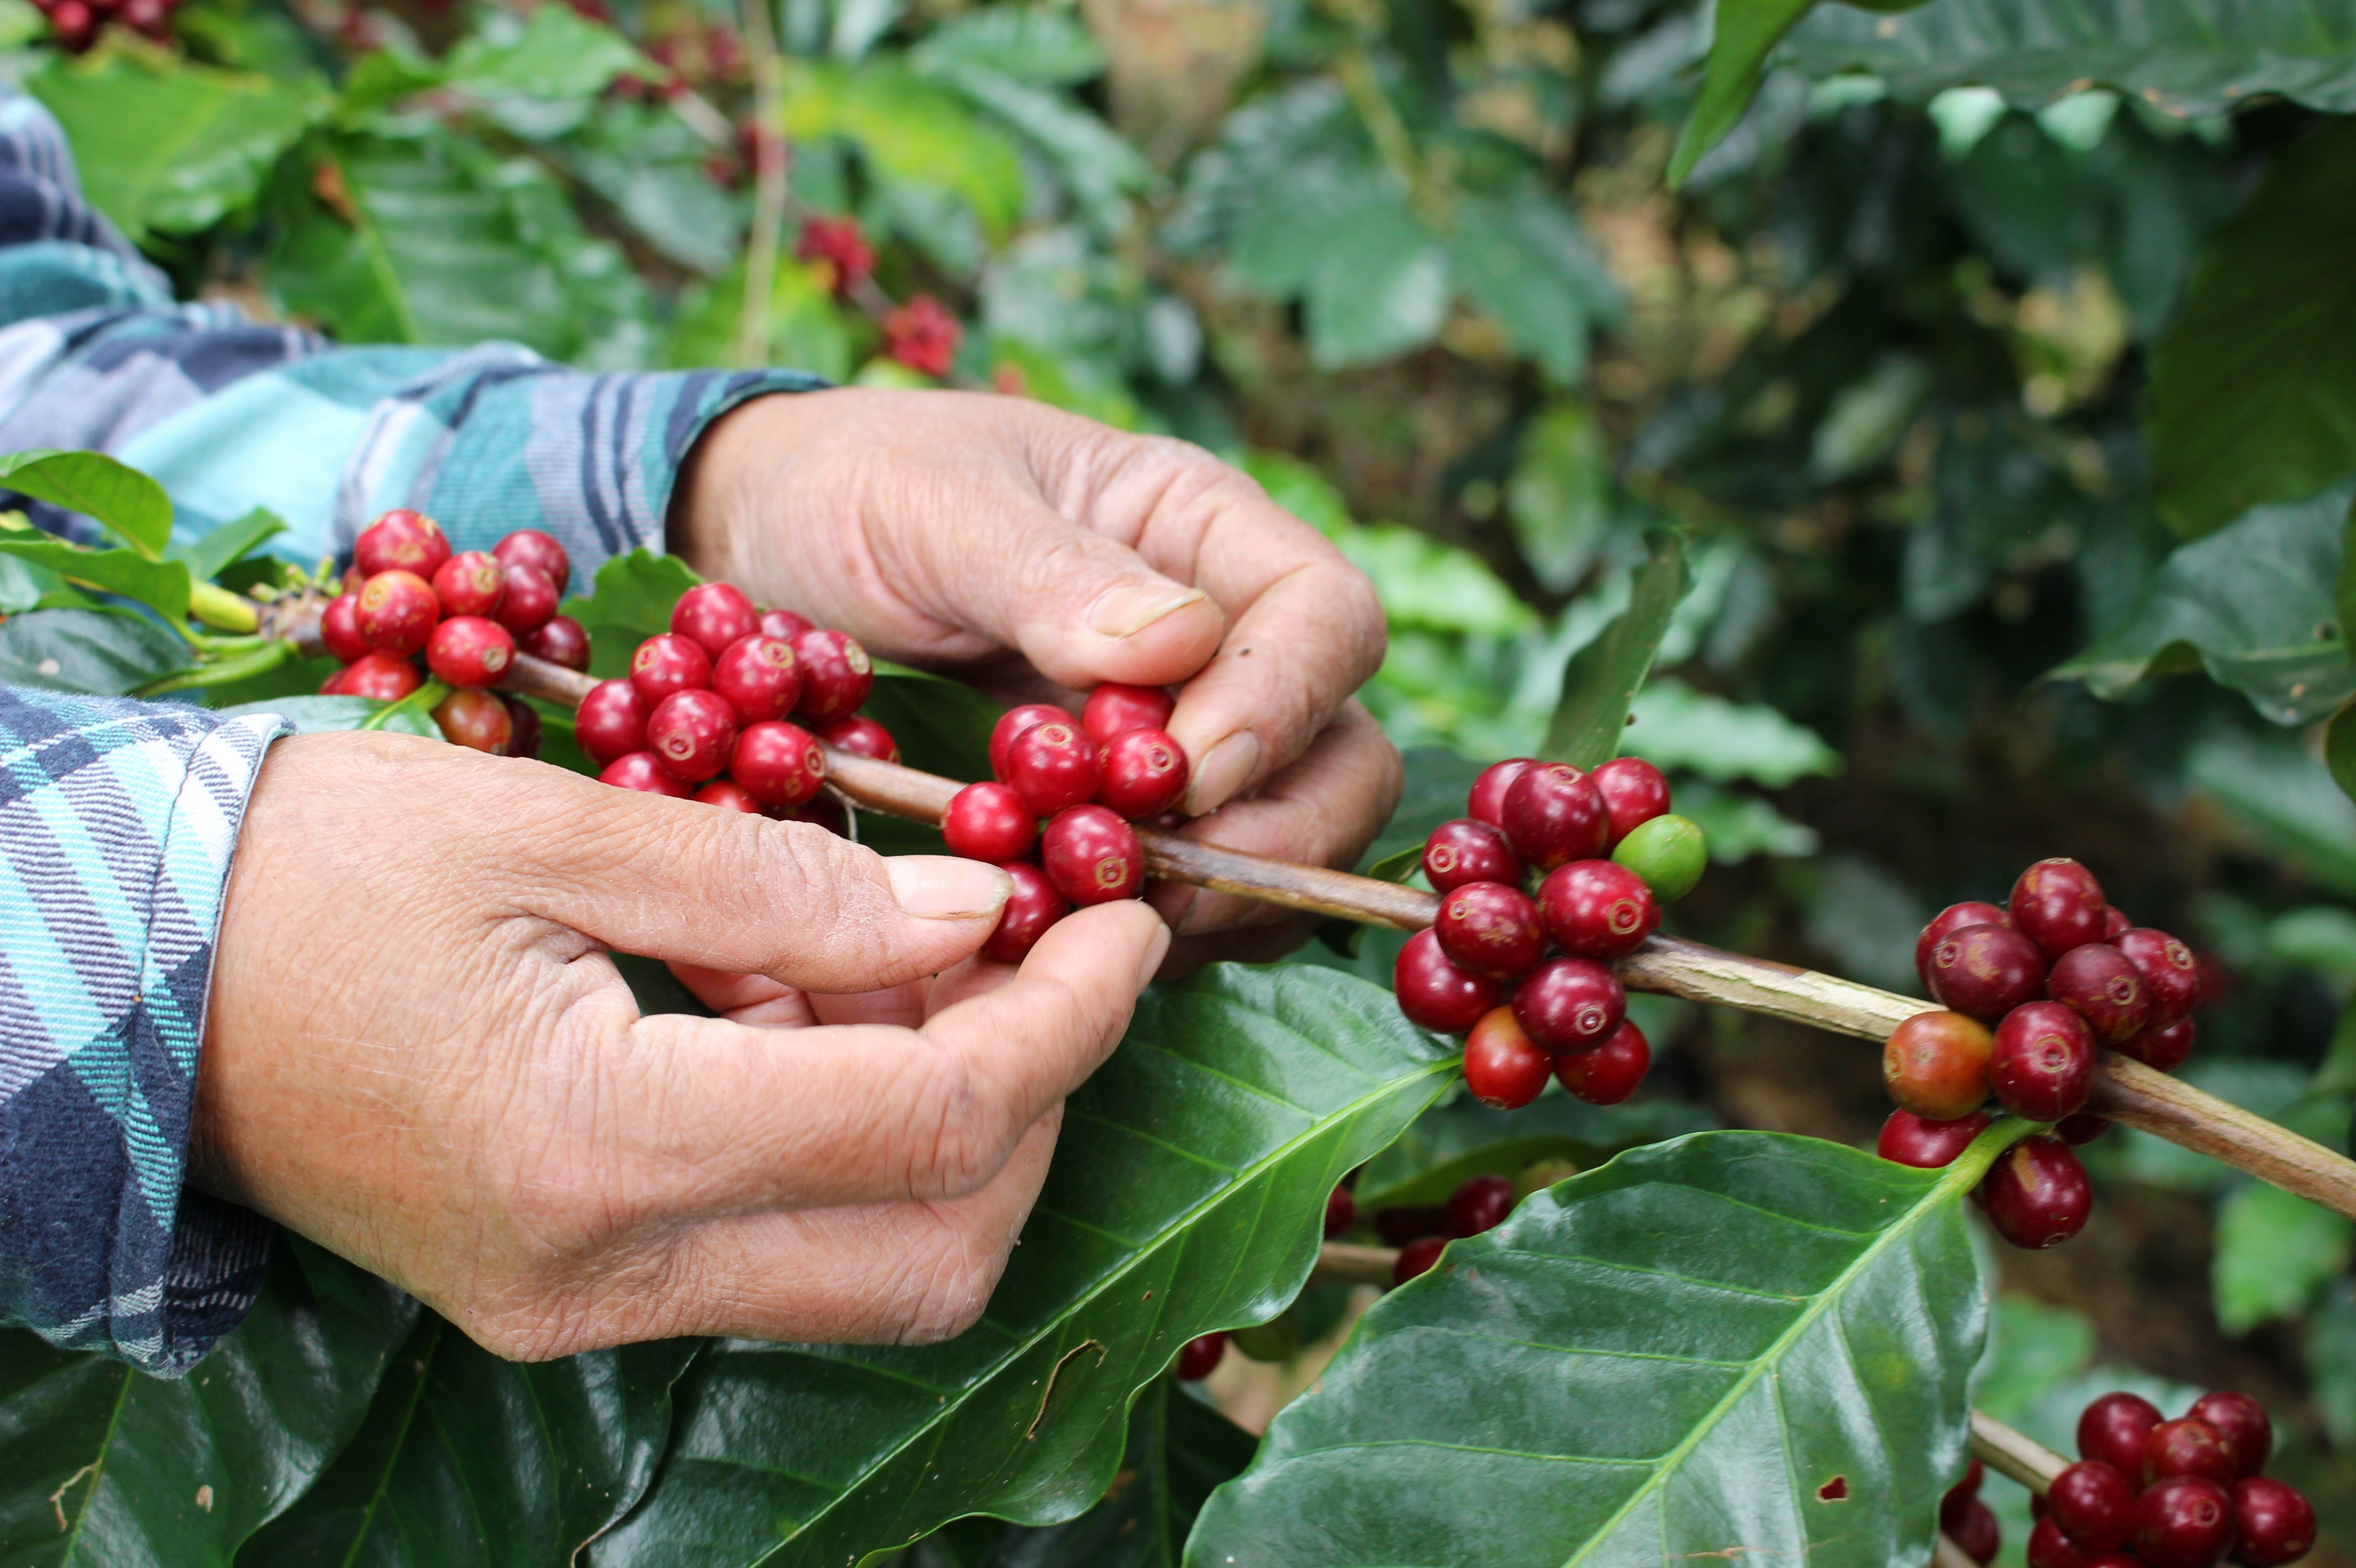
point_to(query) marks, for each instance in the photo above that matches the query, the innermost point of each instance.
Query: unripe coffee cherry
(1091, 855)
(2171, 975)
(2113, 1430)
(1634, 793)
(1141, 773)
(1486, 801)
(2164, 1049)
(2098, 983)
(611, 721)
(1053, 766)
(785, 625)
(530, 601)
(1596, 908)
(2094, 1506)
(2042, 1063)
(1434, 993)
(729, 795)
(1479, 1204)
(1554, 815)
(1935, 1065)
(643, 771)
(779, 763)
(1926, 1145)
(339, 631)
(563, 641)
(988, 821)
(1113, 709)
(401, 541)
(1979, 1534)
(1417, 1258)
(667, 663)
(476, 720)
(1013, 723)
(2049, 1548)
(837, 674)
(861, 736)
(1669, 853)
(2037, 1194)
(396, 612)
(693, 733)
(2185, 1521)
(1611, 1072)
(2188, 1447)
(1034, 905)
(1341, 1211)
(2275, 1522)
(2244, 1425)
(1571, 1005)
(530, 547)
(713, 614)
(759, 676)
(2058, 905)
(1199, 1357)
(1946, 923)
(468, 651)
(471, 583)
(1985, 971)
(1504, 1068)
(1491, 929)
(1468, 850)
(1540, 1174)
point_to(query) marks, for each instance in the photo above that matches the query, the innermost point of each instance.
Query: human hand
(418, 1054)
(1031, 548)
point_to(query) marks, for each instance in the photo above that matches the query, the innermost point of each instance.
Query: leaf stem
(239, 664)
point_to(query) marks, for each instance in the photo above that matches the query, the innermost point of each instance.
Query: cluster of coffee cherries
(2151, 1493)
(408, 598)
(2033, 994)
(77, 24)
(1090, 778)
(729, 705)
(1530, 977)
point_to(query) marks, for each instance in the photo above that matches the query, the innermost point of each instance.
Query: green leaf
(90, 651)
(914, 131)
(630, 601)
(2031, 1346)
(1038, 44)
(558, 53)
(1187, 1194)
(162, 586)
(1463, 1138)
(1605, 676)
(2253, 605)
(1380, 287)
(1736, 1344)
(122, 499)
(1670, 726)
(1743, 32)
(1523, 259)
(101, 1464)
(231, 542)
(2275, 1253)
(1426, 582)
(2254, 394)
(807, 330)
(1561, 494)
(2331, 1362)
(943, 725)
(317, 715)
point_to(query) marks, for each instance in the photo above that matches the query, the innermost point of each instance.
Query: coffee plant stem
(1349, 1263)
(2015, 1453)
(1948, 1554)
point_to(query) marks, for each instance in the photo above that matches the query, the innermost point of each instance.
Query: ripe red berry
(1979, 1534)
(667, 663)
(1434, 993)
(837, 674)
(611, 721)
(2112, 1558)
(1952, 1503)
(713, 614)
(1487, 802)
(1052, 766)
(1634, 793)
(2275, 1522)
(988, 822)
(1467, 850)
(785, 625)
(2094, 1506)
(1611, 1072)
(1013, 723)
(1034, 905)
(1935, 1065)
(1946, 923)
(2171, 975)
(759, 676)
(1554, 815)
(401, 541)
(2163, 1048)
(530, 547)
(476, 720)
(563, 641)
(779, 763)
(1417, 1257)
(1398, 1227)
(468, 651)
(1985, 970)
(1926, 1145)
(2114, 1428)
(728, 793)
(2115, 921)
(2185, 1521)
(339, 630)
(1491, 929)
(396, 612)
(1504, 1068)
(1141, 772)
(384, 677)
(2098, 983)
(2049, 1548)
(2042, 1063)
(1341, 1211)
(2058, 905)
(2080, 1129)
(2188, 1447)
(1091, 855)
(2244, 1425)
(1598, 908)
(524, 727)
(1200, 1357)
(1571, 1005)
(1479, 1203)
(530, 601)
(643, 771)
(861, 736)
(693, 733)
(2037, 1194)
(1113, 708)
(470, 584)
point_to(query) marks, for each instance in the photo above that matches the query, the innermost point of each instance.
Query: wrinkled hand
(1025, 547)
(418, 1054)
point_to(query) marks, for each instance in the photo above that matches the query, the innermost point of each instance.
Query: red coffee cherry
(1926, 1145)
(524, 727)
(1052, 766)
(1032, 907)
(339, 629)
(1398, 1227)
(1341, 1211)
(2171, 975)
(2185, 1521)
(468, 651)
(1598, 908)
(2042, 1062)
(2058, 905)
(1979, 1534)
(1571, 1005)
(1479, 1203)
(2244, 1425)
(2114, 1429)
(1013, 723)
(2098, 983)
(2049, 1548)
(384, 677)
(1415, 1258)
(2115, 921)
(2037, 1194)
(667, 663)
(1504, 1068)
(785, 625)
(2188, 1447)
(988, 822)
(2112, 1558)
(1141, 773)
(1946, 923)
(1091, 855)
(1555, 815)
(759, 676)
(643, 771)
(861, 736)
(529, 601)
(729, 794)
(530, 547)
(396, 612)
(779, 763)
(1113, 708)
(2275, 1522)
(817, 811)
(713, 614)
(693, 733)
(2162, 1048)
(1611, 1072)
(1936, 1065)
(1198, 1358)
(401, 541)
(1959, 1496)
(2094, 1506)
(1985, 970)
(611, 720)
(476, 720)
(1468, 850)
(1487, 802)
(837, 674)
(563, 641)
(2080, 1129)
(1634, 793)
(1491, 929)
(470, 584)
(1434, 993)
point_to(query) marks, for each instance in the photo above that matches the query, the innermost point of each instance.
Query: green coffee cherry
(1540, 1174)
(1279, 1341)
(1668, 853)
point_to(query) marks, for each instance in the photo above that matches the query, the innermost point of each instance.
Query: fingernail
(1155, 951)
(1125, 612)
(943, 887)
(1222, 772)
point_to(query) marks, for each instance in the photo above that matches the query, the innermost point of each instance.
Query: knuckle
(959, 1130)
(948, 1288)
